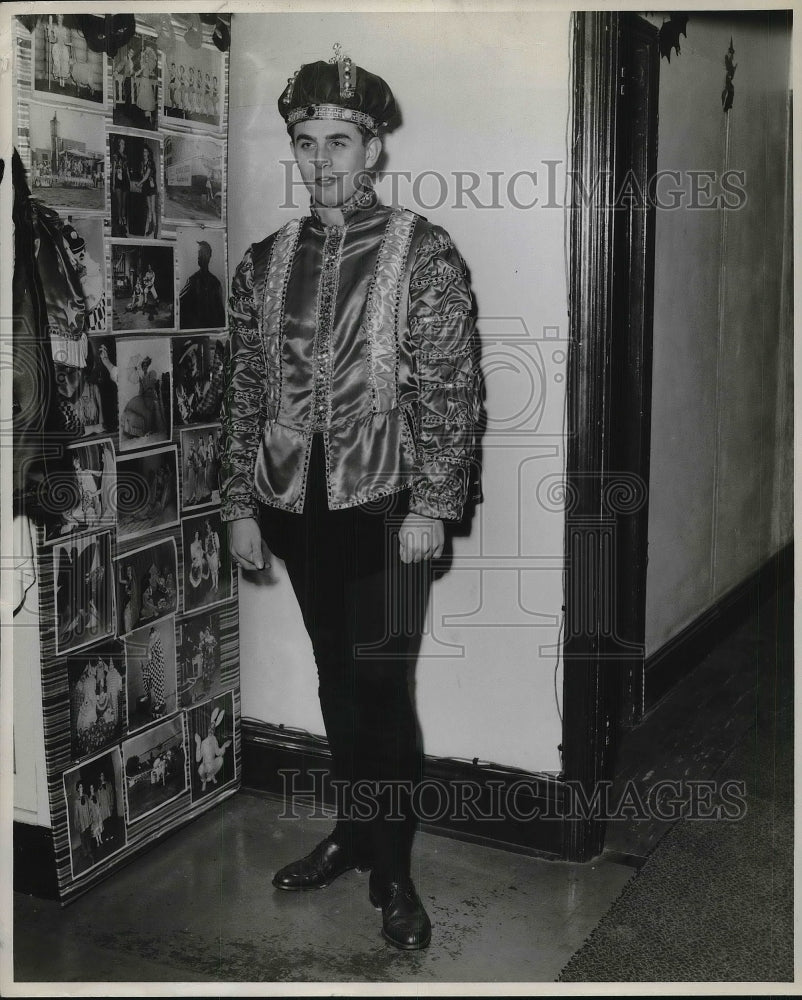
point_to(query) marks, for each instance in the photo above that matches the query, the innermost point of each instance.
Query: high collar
(362, 204)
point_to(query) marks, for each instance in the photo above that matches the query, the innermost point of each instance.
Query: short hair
(364, 131)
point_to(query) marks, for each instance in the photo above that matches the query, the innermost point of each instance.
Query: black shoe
(320, 868)
(405, 923)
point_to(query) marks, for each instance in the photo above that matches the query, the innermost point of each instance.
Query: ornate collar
(362, 203)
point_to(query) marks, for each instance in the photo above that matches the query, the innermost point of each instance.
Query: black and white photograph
(151, 673)
(193, 178)
(86, 394)
(147, 492)
(97, 698)
(135, 185)
(200, 467)
(207, 562)
(84, 591)
(198, 658)
(85, 236)
(83, 497)
(93, 793)
(201, 258)
(143, 287)
(210, 735)
(144, 392)
(135, 75)
(67, 157)
(194, 84)
(199, 378)
(154, 764)
(147, 585)
(64, 66)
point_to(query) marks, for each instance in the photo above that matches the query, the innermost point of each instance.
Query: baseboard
(680, 655)
(498, 807)
(34, 861)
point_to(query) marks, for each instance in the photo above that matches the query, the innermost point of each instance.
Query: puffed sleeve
(244, 399)
(442, 328)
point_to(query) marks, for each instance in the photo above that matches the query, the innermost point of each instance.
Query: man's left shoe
(405, 922)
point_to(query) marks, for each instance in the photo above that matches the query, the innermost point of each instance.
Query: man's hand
(245, 543)
(420, 538)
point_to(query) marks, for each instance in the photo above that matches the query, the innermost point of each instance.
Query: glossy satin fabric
(362, 333)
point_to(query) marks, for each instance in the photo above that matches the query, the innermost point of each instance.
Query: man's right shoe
(319, 868)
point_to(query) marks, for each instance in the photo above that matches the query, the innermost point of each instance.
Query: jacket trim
(271, 327)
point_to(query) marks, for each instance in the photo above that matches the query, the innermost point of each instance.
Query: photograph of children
(199, 374)
(207, 562)
(150, 658)
(94, 796)
(198, 658)
(147, 492)
(83, 496)
(67, 157)
(63, 64)
(193, 172)
(147, 585)
(154, 763)
(84, 591)
(193, 85)
(211, 729)
(97, 698)
(201, 256)
(143, 287)
(135, 75)
(200, 467)
(135, 166)
(144, 393)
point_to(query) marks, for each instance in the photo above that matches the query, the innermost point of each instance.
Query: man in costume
(202, 296)
(349, 427)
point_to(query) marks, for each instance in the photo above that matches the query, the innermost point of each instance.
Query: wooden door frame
(608, 422)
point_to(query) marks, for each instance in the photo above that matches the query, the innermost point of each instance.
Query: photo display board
(126, 161)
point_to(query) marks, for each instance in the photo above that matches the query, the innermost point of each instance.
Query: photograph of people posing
(97, 698)
(147, 585)
(144, 394)
(82, 497)
(154, 764)
(198, 658)
(199, 370)
(207, 564)
(135, 77)
(67, 157)
(147, 492)
(200, 467)
(151, 673)
(211, 741)
(84, 592)
(135, 185)
(193, 178)
(143, 292)
(200, 254)
(64, 67)
(193, 90)
(94, 797)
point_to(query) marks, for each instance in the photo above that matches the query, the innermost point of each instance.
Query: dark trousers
(363, 609)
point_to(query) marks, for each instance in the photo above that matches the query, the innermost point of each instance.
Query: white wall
(720, 492)
(478, 93)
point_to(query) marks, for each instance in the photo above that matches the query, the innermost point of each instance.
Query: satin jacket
(363, 333)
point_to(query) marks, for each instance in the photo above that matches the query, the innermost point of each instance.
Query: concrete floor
(200, 908)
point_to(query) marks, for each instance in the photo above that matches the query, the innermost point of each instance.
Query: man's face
(333, 159)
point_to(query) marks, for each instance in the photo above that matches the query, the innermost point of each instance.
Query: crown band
(332, 112)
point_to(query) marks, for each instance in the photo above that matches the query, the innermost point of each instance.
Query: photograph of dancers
(193, 86)
(211, 741)
(207, 563)
(135, 185)
(200, 467)
(94, 799)
(151, 673)
(144, 394)
(154, 763)
(135, 77)
(64, 67)
(82, 497)
(198, 658)
(143, 287)
(97, 698)
(84, 592)
(146, 582)
(147, 492)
